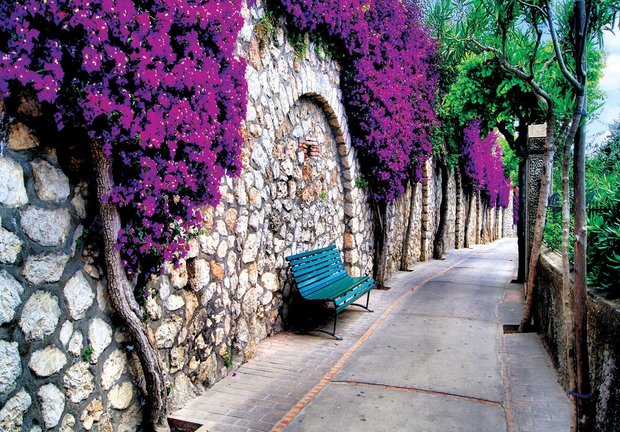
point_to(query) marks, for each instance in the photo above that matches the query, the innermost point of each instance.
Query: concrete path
(433, 357)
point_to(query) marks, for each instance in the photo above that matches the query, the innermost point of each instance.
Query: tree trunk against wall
(567, 301)
(499, 226)
(584, 408)
(521, 225)
(404, 259)
(580, 295)
(519, 145)
(380, 242)
(439, 242)
(478, 218)
(468, 222)
(484, 220)
(121, 294)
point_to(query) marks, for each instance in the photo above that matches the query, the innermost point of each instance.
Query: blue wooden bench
(320, 275)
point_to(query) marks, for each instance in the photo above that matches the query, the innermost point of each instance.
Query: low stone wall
(603, 337)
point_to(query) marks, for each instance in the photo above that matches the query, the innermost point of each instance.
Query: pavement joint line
(423, 391)
(424, 315)
(481, 285)
(511, 421)
(327, 378)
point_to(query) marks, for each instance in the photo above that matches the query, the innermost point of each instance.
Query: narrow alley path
(433, 357)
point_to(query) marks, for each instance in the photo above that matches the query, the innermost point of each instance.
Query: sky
(610, 84)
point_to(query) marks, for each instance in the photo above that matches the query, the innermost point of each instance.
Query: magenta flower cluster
(389, 82)
(483, 165)
(157, 83)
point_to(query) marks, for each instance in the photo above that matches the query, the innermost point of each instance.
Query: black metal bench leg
(334, 335)
(362, 306)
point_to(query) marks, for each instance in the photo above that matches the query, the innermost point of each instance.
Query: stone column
(426, 198)
(536, 136)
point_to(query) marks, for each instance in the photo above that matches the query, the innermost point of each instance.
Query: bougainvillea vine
(389, 82)
(483, 167)
(157, 84)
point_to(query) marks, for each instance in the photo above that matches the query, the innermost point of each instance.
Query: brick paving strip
(290, 370)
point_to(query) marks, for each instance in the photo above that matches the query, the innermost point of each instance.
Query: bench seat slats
(340, 288)
(318, 267)
(311, 252)
(320, 275)
(333, 290)
(319, 283)
(303, 261)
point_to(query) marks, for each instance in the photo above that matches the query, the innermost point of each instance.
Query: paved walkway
(433, 357)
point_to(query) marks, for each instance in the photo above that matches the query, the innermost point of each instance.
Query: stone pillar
(536, 136)
(426, 198)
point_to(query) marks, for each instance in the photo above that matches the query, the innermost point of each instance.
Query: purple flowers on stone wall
(483, 165)
(389, 82)
(157, 83)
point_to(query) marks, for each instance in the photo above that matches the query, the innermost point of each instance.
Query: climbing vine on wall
(157, 84)
(389, 82)
(483, 167)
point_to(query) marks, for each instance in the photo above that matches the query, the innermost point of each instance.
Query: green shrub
(604, 233)
(553, 233)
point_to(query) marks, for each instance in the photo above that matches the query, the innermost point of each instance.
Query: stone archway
(295, 204)
(307, 187)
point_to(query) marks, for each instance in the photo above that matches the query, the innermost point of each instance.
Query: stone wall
(414, 241)
(65, 360)
(485, 224)
(603, 336)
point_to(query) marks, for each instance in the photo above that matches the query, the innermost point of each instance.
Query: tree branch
(547, 64)
(536, 46)
(535, 7)
(509, 137)
(518, 73)
(558, 53)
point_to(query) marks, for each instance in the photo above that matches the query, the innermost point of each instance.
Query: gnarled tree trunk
(380, 241)
(121, 294)
(439, 243)
(466, 242)
(404, 259)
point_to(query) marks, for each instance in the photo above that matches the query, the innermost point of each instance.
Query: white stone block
(12, 188)
(40, 315)
(10, 296)
(52, 402)
(10, 367)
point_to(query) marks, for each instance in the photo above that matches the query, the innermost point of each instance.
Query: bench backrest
(314, 270)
